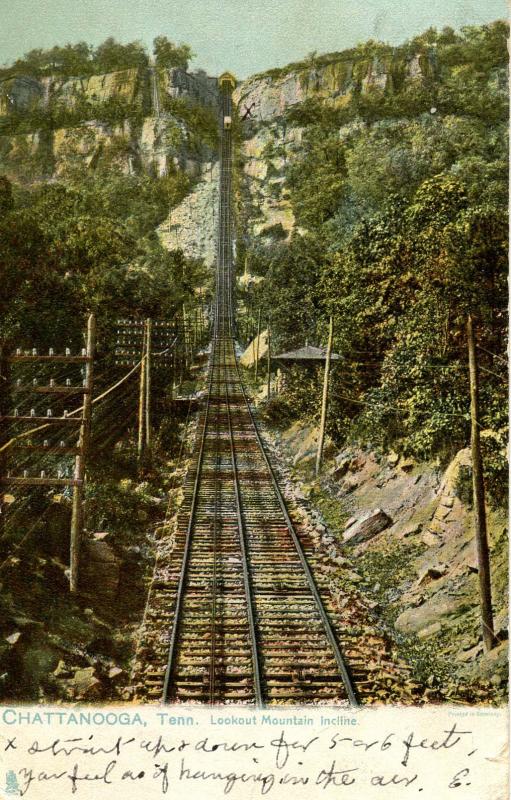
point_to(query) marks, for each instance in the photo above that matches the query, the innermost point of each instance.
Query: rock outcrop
(417, 558)
(191, 226)
(154, 141)
(271, 139)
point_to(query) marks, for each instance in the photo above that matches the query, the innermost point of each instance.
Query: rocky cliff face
(125, 85)
(150, 139)
(191, 226)
(270, 95)
(195, 85)
(270, 140)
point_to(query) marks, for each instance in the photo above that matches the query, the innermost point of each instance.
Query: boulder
(366, 527)
(87, 685)
(115, 672)
(62, 670)
(436, 609)
(101, 569)
(432, 573)
(409, 530)
(350, 483)
(342, 462)
(431, 630)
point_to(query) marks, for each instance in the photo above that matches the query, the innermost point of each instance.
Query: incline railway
(244, 618)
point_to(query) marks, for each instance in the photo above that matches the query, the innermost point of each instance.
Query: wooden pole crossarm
(19, 481)
(51, 389)
(50, 449)
(58, 359)
(47, 420)
(97, 399)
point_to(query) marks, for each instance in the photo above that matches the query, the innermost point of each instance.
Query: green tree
(111, 56)
(169, 55)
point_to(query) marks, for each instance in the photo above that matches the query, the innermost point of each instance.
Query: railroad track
(243, 619)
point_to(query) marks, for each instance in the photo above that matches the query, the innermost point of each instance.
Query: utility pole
(4, 382)
(257, 344)
(77, 516)
(142, 399)
(268, 388)
(148, 426)
(481, 534)
(324, 404)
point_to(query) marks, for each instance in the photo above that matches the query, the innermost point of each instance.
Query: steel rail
(186, 556)
(329, 631)
(224, 373)
(218, 337)
(256, 666)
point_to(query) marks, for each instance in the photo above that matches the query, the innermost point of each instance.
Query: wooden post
(173, 368)
(148, 427)
(141, 400)
(77, 517)
(324, 404)
(268, 388)
(257, 344)
(4, 383)
(481, 535)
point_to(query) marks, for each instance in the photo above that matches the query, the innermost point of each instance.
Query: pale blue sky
(245, 36)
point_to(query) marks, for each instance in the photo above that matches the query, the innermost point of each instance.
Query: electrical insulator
(49, 412)
(32, 412)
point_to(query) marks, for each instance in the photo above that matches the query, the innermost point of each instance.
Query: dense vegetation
(83, 59)
(79, 206)
(74, 226)
(66, 249)
(400, 199)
